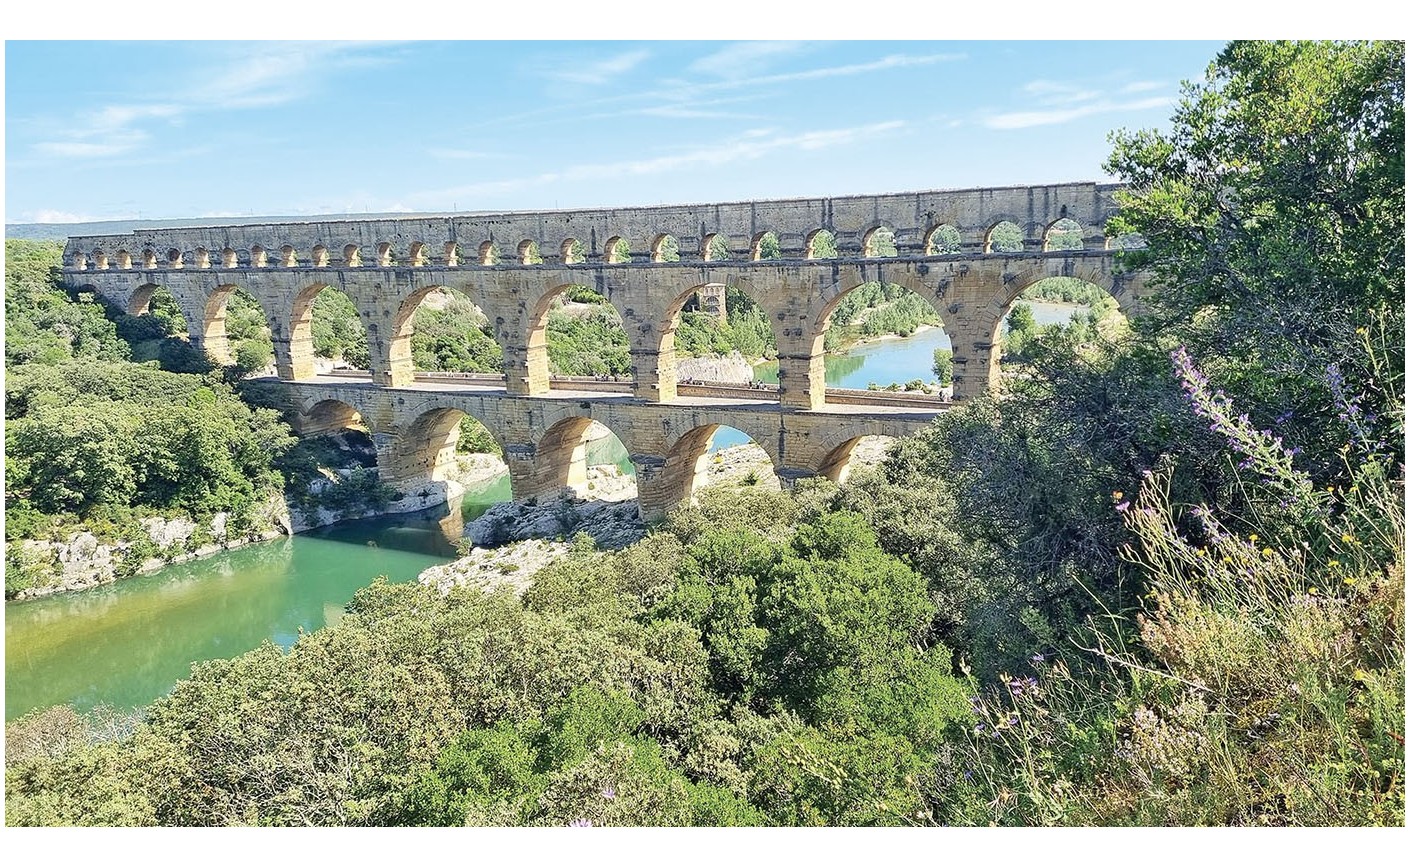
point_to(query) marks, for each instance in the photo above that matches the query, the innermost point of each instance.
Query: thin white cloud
(746, 147)
(258, 76)
(682, 92)
(47, 215)
(460, 154)
(681, 111)
(128, 141)
(600, 72)
(1142, 86)
(271, 74)
(1047, 117)
(1058, 92)
(891, 61)
(744, 59)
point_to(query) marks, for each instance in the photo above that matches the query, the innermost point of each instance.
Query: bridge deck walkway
(879, 407)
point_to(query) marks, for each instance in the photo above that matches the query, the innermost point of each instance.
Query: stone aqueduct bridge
(513, 265)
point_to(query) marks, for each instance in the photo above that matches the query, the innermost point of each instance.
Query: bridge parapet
(461, 240)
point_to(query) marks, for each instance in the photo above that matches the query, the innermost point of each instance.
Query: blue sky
(112, 130)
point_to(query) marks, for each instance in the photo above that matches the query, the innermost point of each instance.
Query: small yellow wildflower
(1253, 537)
(1267, 552)
(1348, 581)
(1346, 537)
(1333, 563)
(1360, 331)
(1312, 591)
(1116, 495)
(1360, 675)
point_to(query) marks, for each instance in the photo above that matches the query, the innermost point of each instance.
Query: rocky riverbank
(81, 560)
(513, 541)
(733, 368)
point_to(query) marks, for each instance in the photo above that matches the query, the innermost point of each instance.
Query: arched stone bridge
(513, 265)
(415, 428)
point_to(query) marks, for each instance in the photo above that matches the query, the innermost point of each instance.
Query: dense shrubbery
(590, 344)
(746, 330)
(721, 672)
(455, 337)
(874, 309)
(114, 436)
(45, 326)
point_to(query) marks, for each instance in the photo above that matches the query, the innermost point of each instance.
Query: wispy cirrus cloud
(241, 77)
(1058, 102)
(891, 61)
(745, 59)
(682, 95)
(599, 72)
(749, 145)
(1047, 117)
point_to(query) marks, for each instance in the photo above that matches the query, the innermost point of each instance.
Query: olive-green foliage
(85, 435)
(594, 344)
(1266, 687)
(946, 239)
(593, 698)
(944, 366)
(1022, 330)
(1006, 237)
(456, 337)
(247, 329)
(476, 438)
(875, 309)
(253, 355)
(338, 331)
(44, 325)
(746, 330)
(1257, 684)
(1273, 213)
(1067, 289)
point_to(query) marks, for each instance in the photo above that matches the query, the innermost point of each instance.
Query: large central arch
(817, 346)
(667, 358)
(537, 363)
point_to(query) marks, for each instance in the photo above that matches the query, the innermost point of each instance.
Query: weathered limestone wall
(542, 438)
(418, 241)
(388, 266)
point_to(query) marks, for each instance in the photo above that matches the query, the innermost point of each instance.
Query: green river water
(126, 644)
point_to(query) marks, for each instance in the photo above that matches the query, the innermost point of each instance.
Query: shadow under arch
(839, 461)
(328, 416)
(689, 467)
(560, 458)
(424, 450)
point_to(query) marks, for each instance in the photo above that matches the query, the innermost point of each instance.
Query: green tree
(944, 367)
(1006, 237)
(1273, 213)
